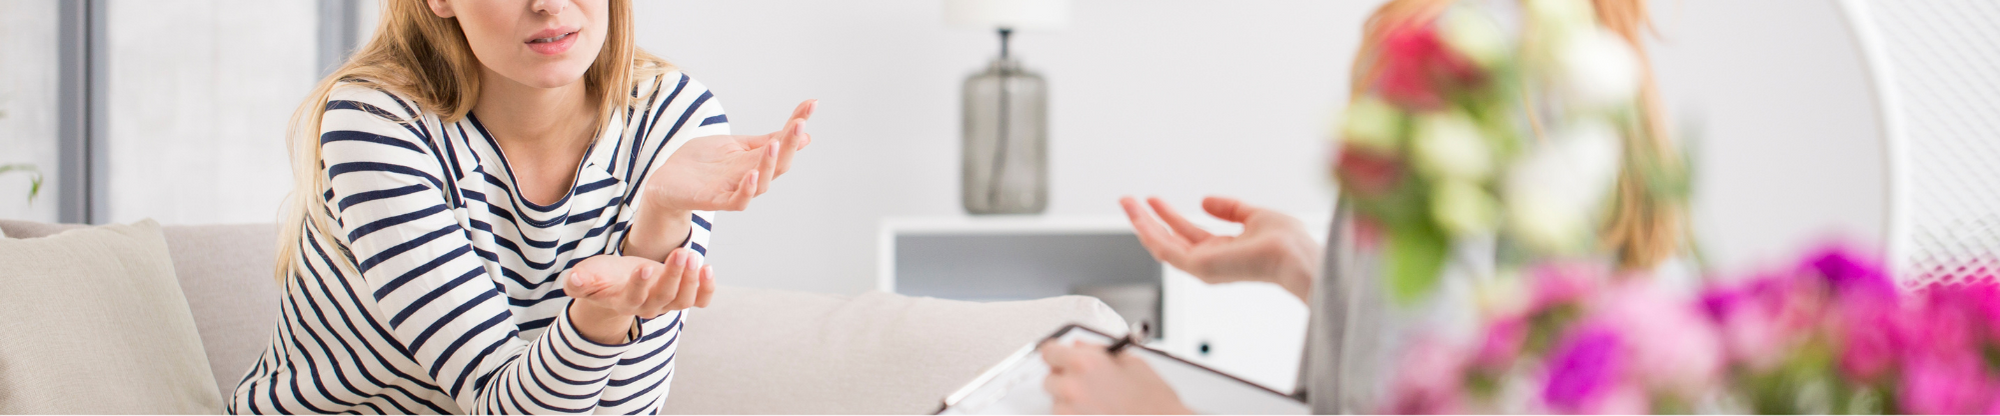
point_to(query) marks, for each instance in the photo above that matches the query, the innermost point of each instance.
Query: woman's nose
(549, 7)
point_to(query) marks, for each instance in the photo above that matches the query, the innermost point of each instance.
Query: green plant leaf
(1416, 252)
(34, 177)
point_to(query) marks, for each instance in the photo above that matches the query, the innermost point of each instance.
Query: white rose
(1463, 209)
(1562, 17)
(1597, 69)
(1551, 192)
(1475, 35)
(1372, 123)
(1449, 145)
(1594, 147)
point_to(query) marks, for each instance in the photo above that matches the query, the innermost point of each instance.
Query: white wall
(1789, 153)
(28, 119)
(200, 94)
(1174, 98)
(1188, 98)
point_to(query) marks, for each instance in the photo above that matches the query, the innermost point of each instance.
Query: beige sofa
(755, 351)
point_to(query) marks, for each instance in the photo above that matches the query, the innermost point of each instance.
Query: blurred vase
(1005, 163)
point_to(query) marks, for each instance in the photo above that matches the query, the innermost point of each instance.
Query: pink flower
(1867, 341)
(1563, 282)
(1502, 344)
(1430, 380)
(1585, 371)
(1759, 318)
(1939, 386)
(1849, 274)
(1672, 346)
(1419, 70)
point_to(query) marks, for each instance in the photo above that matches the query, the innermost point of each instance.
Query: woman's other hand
(722, 173)
(1085, 379)
(609, 291)
(1273, 247)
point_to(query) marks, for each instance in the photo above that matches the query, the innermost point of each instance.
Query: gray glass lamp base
(1006, 141)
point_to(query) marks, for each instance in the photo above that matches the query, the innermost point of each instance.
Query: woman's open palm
(723, 173)
(632, 286)
(1273, 247)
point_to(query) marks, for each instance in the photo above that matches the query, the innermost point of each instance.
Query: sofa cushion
(95, 323)
(761, 351)
(225, 273)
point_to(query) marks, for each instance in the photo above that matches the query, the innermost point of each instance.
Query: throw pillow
(94, 322)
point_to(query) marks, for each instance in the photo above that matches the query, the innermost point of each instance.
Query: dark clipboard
(1014, 384)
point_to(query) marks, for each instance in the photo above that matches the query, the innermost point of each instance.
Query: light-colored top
(441, 290)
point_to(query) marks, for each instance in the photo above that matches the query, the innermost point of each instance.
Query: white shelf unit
(1253, 330)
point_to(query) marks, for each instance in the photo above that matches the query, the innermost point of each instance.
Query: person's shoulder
(372, 97)
(670, 86)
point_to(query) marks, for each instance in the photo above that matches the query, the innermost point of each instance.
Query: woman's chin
(552, 77)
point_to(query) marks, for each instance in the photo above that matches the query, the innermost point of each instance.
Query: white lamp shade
(1009, 14)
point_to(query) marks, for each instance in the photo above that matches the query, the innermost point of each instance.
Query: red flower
(1367, 173)
(1419, 71)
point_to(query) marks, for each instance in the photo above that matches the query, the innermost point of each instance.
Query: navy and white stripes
(440, 290)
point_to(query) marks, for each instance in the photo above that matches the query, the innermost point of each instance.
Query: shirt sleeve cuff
(582, 350)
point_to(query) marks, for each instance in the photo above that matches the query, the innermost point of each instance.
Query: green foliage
(34, 177)
(1416, 254)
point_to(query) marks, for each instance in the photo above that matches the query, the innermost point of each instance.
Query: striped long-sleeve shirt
(441, 289)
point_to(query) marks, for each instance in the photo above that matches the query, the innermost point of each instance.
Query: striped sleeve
(639, 382)
(388, 187)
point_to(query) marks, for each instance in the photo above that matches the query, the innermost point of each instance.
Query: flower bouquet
(1831, 335)
(1472, 133)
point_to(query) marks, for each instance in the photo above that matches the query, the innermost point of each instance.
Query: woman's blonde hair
(425, 58)
(1642, 229)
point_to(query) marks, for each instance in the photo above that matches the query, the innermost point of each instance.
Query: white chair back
(1936, 69)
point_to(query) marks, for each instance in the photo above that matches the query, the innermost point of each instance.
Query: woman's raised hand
(610, 290)
(722, 173)
(1274, 247)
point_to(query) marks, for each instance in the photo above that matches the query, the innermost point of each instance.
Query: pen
(1139, 331)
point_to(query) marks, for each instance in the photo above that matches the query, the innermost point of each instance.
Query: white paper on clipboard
(1015, 385)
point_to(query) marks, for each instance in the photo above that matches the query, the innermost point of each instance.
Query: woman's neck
(541, 120)
(543, 131)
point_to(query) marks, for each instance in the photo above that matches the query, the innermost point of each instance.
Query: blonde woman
(1276, 248)
(501, 206)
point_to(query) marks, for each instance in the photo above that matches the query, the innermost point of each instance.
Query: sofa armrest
(764, 351)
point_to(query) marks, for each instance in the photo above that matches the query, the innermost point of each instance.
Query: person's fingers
(670, 285)
(737, 196)
(658, 276)
(805, 109)
(707, 287)
(1187, 230)
(690, 283)
(744, 193)
(793, 134)
(1228, 209)
(757, 142)
(1062, 391)
(1162, 244)
(644, 278)
(806, 140)
(768, 165)
(583, 284)
(1057, 356)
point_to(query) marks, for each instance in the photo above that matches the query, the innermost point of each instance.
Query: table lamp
(1005, 113)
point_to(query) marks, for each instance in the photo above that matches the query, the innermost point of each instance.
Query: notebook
(1014, 386)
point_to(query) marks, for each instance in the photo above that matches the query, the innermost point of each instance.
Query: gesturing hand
(722, 173)
(610, 290)
(1274, 247)
(1084, 379)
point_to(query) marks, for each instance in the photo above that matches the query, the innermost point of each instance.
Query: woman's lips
(552, 45)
